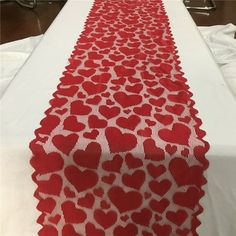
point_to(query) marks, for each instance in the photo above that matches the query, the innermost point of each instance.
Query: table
(27, 98)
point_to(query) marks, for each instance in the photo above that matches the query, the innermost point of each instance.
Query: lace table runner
(120, 151)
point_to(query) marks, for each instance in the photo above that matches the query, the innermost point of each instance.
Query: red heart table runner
(120, 151)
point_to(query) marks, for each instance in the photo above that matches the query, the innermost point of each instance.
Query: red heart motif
(128, 123)
(164, 119)
(172, 85)
(199, 153)
(102, 44)
(48, 230)
(78, 108)
(81, 180)
(127, 111)
(133, 162)
(124, 34)
(163, 55)
(147, 132)
(179, 134)
(135, 44)
(116, 57)
(102, 78)
(46, 205)
(171, 149)
(106, 220)
(143, 217)
(94, 56)
(185, 152)
(150, 122)
(158, 218)
(92, 88)
(147, 76)
(115, 88)
(92, 231)
(54, 219)
(119, 81)
(177, 217)
(188, 199)
(157, 102)
(128, 230)
(118, 141)
(163, 230)
(47, 163)
(134, 80)
(109, 112)
(65, 143)
(89, 157)
(109, 179)
(98, 192)
(129, 51)
(72, 214)
(131, 63)
(91, 135)
(137, 88)
(134, 180)
(147, 195)
(156, 92)
(185, 175)
(80, 95)
(91, 64)
(86, 72)
(161, 187)
(145, 233)
(68, 193)
(181, 97)
(127, 100)
(58, 102)
(85, 45)
(105, 205)
(94, 101)
(52, 186)
(69, 79)
(155, 61)
(95, 122)
(114, 165)
(124, 201)
(141, 68)
(123, 71)
(71, 123)
(152, 152)
(175, 109)
(150, 83)
(155, 171)
(68, 229)
(48, 124)
(185, 119)
(182, 232)
(144, 110)
(163, 68)
(124, 218)
(68, 92)
(110, 102)
(159, 206)
(86, 201)
(61, 111)
(107, 63)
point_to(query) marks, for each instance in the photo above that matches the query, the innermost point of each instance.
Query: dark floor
(18, 22)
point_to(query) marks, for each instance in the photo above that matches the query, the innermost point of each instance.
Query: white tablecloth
(27, 97)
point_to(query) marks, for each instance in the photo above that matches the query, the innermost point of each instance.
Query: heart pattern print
(120, 151)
